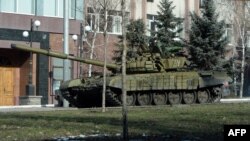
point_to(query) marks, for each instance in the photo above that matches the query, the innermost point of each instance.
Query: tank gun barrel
(63, 56)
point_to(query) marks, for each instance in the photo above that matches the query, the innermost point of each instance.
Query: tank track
(113, 97)
(69, 97)
(73, 97)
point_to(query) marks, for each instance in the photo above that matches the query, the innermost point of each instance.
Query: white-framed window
(96, 22)
(116, 24)
(18, 6)
(151, 24)
(93, 21)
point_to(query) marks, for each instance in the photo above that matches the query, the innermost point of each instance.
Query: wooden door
(6, 86)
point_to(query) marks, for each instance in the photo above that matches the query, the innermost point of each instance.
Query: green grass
(195, 121)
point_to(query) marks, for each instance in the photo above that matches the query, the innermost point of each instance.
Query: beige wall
(179, 9)
(152, 7)
(137, 9)
(140, 9)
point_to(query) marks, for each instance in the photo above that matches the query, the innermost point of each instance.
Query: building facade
(15, 18)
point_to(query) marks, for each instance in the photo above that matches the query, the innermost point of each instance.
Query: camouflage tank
(150, 80)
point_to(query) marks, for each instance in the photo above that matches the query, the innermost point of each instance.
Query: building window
(25, 6)
(51, 8)
(150, 0)
(151, 24)
(96, 22)
(116, 24)
(93, 21)
(7, 5)
(74, 8)
(17, 6)
(58, 67)
(54, 8)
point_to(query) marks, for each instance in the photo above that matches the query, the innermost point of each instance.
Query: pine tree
(136, 39)
(168, 28)
(207, 40)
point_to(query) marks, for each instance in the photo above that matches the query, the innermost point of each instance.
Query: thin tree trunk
(242, 27)
(96, 11)
(91, 55)
(92, 48)
(234, 73)
(124, 90)
(105, 59)
(242, 69)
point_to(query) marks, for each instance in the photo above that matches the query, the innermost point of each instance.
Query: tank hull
(184, 87)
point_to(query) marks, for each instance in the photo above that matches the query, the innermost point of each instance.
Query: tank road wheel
(203, 96)
(216, 95)
(174, 98)
(131, 98)
(159, 98)
(144, 99)
(188, 97)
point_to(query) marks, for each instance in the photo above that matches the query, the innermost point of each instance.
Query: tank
(150, 80)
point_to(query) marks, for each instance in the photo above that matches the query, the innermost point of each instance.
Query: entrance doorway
(6, 82)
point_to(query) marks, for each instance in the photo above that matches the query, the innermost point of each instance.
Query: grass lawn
(194, 122)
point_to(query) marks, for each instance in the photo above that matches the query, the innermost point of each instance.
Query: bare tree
(241, 29)
(237, 12)
(99, 18)
(124, 55)
(93, 12)
(108, 6)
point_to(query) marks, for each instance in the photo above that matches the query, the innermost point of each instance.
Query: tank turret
(146, 63)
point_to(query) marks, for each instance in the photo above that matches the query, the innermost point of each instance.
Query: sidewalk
(33, 108)
(235, 100)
